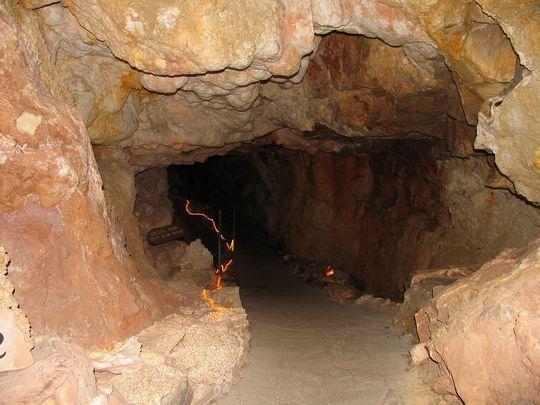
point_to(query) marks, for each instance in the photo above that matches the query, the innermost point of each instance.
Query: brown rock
(419, 354)
(37, 3)
(71, 278)
(61, 374)
(14, 353)
(482, 330)
(241, 59)
(8, 304)
(124, 358)
(154, 38)
(341, 292)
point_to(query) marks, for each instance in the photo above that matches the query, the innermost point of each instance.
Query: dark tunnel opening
(365, 212)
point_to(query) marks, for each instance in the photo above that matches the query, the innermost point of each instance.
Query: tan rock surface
(191, 355)
(379, 211)
(483, 330)
(216, 78)
(14, 352)
(53, 216)
(174, 38)
(163, 82)
(424, 286)
(9, 303)
(61, 374)
(224, 102)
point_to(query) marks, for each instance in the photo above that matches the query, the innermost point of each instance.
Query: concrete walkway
(306, 349)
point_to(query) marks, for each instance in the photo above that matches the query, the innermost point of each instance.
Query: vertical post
(219, 240)
(234, 226)
(211, 205)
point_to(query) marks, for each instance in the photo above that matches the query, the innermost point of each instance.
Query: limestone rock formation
(424, 286)
(53, 218)
(15, 339)
(139, 86)
(168, 78)
(14, 353)
(508, 126)
(190, 356)
(375, 210)
(482, 330)
(61, 374)
(9, 303)
(180, 38)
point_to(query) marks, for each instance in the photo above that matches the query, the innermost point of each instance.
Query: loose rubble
(189, 357)
(337, 284)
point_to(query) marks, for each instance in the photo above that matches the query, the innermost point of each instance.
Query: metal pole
(211, 207)
(234, 226)
(219, 240)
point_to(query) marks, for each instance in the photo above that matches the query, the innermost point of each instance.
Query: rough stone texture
(16, 340)
(136, 204)
(419, 354)
(243, 77)
(197, 257)
(61, 374)
(359, 86)
(180, 38)
(33, 4)
(125, 357)
(159, 82)
(120, 193)
(489, 319)
(14, 352)
(152, 204)
(376, 210)
(194, 353)
(154, 209)
(481, 216)
(508, 126)
(424, 286)
(8, 301)
(53, 218)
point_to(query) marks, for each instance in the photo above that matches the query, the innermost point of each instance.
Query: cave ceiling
(169, 82)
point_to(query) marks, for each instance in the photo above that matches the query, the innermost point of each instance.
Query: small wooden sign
(157, 236)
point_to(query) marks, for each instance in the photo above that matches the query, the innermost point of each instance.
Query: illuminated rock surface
(489, 318)
(98, 98)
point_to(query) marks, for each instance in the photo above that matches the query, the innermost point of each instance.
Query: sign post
(157, 236)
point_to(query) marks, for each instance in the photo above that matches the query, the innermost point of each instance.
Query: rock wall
(154, 209)
(486, 217)
(363, 214)
(380, 213)
(483, 331)
(8, 302)
(238, 72)
(120, 194)
(70, 277)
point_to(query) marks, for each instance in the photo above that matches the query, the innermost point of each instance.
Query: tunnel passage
(100, 97)
(379, 210)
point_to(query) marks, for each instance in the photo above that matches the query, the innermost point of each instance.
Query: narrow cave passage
(321, 207)
(373, 168)
(366, 211)
(376, 213)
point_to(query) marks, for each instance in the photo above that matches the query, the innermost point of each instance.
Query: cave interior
(196, 197)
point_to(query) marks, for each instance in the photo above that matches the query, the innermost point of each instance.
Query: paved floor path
(306, 349)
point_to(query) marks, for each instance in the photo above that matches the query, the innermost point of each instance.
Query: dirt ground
(306, 349)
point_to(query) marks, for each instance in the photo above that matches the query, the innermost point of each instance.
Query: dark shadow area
(365, 211)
